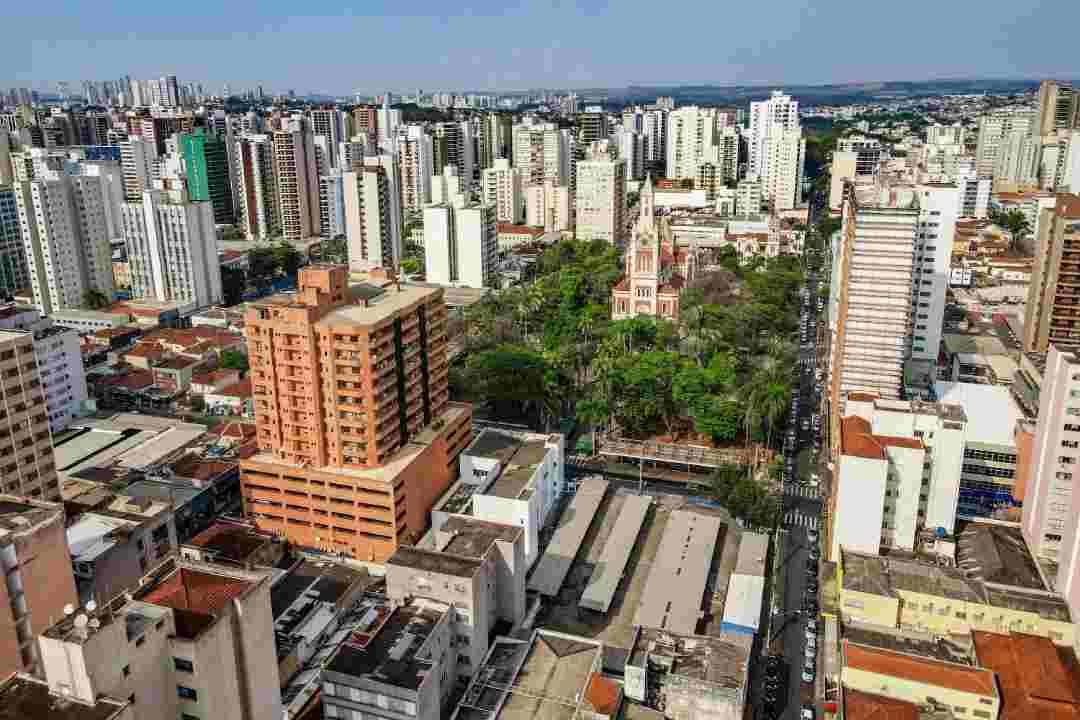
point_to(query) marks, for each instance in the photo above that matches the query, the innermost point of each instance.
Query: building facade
(600, 200)
(460, 244)
(1051, 314)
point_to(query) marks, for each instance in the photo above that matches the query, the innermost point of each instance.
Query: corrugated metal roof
(742, 607)
(752, 550)
(620, 544)
(551, 571)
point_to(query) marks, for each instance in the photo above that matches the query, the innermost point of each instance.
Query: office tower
(297, 182)
(192, 639)
(14, 274)
(1059, 105)
(27, 466)
(1051, 314)
(330, 124)
(35, 561)
(460, 244)
(63, 226)
(592, 126)
(994, 127)
(256, 184)
(369, 227)
(459, 148)
(331, 206)
(137, 160)
(547, 205)
(541, 152)
(414, 151)
(887, 300)
(600, 198)
(778, 113)
(206, 163)
(631, 147)
(356, 436)
(502, 189)
(172, 249)
(691, 141)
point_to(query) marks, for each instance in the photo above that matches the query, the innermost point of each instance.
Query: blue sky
(310, 45)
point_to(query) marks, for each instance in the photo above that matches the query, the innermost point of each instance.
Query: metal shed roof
(620, 544)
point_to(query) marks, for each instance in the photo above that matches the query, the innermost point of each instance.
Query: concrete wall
(860, 497)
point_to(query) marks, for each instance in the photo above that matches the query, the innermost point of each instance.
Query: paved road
(802, 507)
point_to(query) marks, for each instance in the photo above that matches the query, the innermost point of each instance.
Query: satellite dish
(91, 606)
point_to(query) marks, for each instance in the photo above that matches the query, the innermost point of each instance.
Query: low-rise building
(25, 697)
(236, 399)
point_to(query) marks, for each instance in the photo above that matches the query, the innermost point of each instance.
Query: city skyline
(340, 52)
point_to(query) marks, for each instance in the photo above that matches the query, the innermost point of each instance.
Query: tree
(1015, 223)
(261, 263)
(287, 259)
(232, 285)
(95, 299)
(234, 360)
(335, 250)
(411, 266)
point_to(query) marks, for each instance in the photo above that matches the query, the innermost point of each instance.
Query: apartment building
(60, 367)
(63, 225)
(369, 221)
(1059, 107)
(330, 124)
(172, 249)
(139, 163)
(356, 435)
(27, 466)
(547, 205)
(206, 165)
(331, 206)
(502, 188)
(256, 187)
(776, 150)
(460, 244)
(994, 128)
(867, 151)
(691, 141)
(14, 274)
(495, 138)
(34, 558)
(194, 640)
(296, 180)
(458, 139)
(600, 199)
(898, 471)
(1052, 313)
(542, 153)
(414, 152)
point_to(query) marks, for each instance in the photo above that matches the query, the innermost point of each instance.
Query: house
(233, 400)
(211, 382)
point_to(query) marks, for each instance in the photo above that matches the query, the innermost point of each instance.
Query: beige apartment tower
(1052, 314)
(356, 434)
(27, 467)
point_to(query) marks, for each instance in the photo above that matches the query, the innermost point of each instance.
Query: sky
(486, 45)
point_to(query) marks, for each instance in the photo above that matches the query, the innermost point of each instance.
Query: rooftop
(231, 541)
(719, 660)
(919, 670)
(857, 440)
(864, 706)
(25, 698)
(551, 569)
(328, 581)
(991, 410)
(997, 553)
(390, 652)
(493, 444)
(432, 561)
(21, 515)
(977, 344)
(1038, 680)
(195, 595)
(380, 308)
(470, 537)
(909, 642)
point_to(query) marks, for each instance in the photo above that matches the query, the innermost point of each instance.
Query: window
(183, 665)
(186, 692)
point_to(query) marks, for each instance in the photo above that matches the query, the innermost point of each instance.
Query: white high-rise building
(691, 141)
(372, 236)
(297, 180)
(64, 229)
(172, 249)
(542, 152)
(994, 128)
(137, 157)
(631, 145)
(448, 186)
(600, 198)
(330, 124)
(1067, 176)
(331, 206)
(654, 138)
(460, 244)
(256, 187)
(502, 188)
(547, 205)
(777, 113)
(414, 153)
(974, 190)
(1017, 162)
(776, 149)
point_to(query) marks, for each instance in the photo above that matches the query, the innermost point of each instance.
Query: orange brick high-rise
(357, 437)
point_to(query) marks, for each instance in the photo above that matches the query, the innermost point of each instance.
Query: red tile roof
(864, 706)
(241, 389)
(603, 694)
(519, 229)
(134, 380)
(961, 678)
(1039, 680)
(622, 286)
(858, 440)
(197, 591)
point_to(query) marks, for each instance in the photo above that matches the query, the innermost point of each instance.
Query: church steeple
(648, 205)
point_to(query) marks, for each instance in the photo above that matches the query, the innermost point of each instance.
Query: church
(656, 270)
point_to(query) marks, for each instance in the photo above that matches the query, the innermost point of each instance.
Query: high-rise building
(157, 129)
(541, 152)
(547, 205)
(890, 272)
(592, 126)
(776, 149)
(206, 162)
(365, 119)
(356, 435)
(331, 206)
(600, 199)
(1052, 313)
(495, 139)
(37, 565)
(414, 152)
(330, 124)
(172, 249)
(14, 275)
(654, 125)
(1016, 166)
(459, 148)
(691, 141)
(6, 174)
(256, 187)
(502, 189)
(631, 145)
(460, 244)
(63, 224)
(1059, 107)
(778, 113)
(137, 159)
(369, 227)
(27, 467)
(297, 180)
(994, 128)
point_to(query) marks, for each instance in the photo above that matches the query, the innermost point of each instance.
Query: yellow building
(900, 591)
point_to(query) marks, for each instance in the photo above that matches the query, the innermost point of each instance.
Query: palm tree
(1015, 223)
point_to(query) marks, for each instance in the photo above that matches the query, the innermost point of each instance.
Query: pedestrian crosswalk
(803, 491)
(795, 518)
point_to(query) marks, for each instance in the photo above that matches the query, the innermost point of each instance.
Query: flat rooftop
(991, 410)
(997, 554)
(20, 515)
(674, 593)
(379, 308)
(549, 676)
(962, 678)
(321, 581)
(721, 660)
(471, 537)
(908, 642)
(26, 698)
(390, 652)
(231, 541)
(494, 445)
(550, 571)
(433, 561)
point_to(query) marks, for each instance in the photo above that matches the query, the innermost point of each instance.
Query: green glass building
(207, 164)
